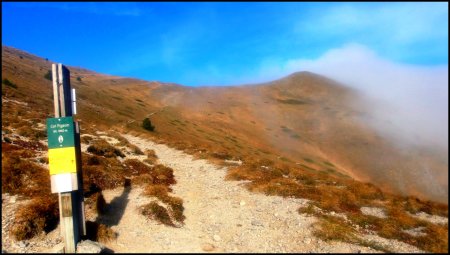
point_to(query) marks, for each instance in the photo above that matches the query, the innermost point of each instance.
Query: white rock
(257, 223)
(22, 244)
(307, 240)
(207, 247)
(88, 246)
(242, 203)
(216, 238)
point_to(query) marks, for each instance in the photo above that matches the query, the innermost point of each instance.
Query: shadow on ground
(115, 210)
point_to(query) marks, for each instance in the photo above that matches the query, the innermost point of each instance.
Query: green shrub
(147, 124)
(48, 75)
(9, 83)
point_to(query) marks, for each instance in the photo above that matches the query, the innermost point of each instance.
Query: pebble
(208, 247)
(242, 203)
(216, 238)
(257, 223)
(307, 240)
(22, 244)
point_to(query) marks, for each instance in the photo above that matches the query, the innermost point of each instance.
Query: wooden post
(70, 203)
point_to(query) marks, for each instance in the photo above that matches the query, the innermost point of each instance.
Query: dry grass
(31, 133)
(157, 212)
(137, 167)
(217, 136)
(335, 228)
(101, 147)
(163, 175)
(151, 157)
(135, 149)
(106, 173)
(16, 151)
(23, 177)
(99, 232)
(122, 140)
(41, 214)
(176, 207)
(143, 179)
(160, 191)
(151, 154)
(331, 193)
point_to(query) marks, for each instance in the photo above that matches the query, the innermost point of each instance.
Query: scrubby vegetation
(102, 148)
(330, 194)
(48, 75)
(41, 214)
(9, 83)
(157, 212)
(147, 124)
(151, 157)
(206, 137)
(99, 232)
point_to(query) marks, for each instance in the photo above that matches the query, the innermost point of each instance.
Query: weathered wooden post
(65, 160)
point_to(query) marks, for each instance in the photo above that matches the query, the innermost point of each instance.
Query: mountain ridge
(302, 115)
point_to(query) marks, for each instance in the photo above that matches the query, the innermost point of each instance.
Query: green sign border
(63, 127)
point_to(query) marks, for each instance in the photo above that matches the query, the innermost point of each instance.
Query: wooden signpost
(64, 156)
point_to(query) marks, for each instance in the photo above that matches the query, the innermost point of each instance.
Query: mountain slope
(303, 119)
(299, 137)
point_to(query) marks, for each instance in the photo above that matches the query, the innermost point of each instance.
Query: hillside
(299, 136)
(301, 119)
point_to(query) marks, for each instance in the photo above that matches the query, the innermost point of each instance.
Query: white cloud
(404, 31)
(396, 22)
(413, 99)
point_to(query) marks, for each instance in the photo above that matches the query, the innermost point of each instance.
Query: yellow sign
(62, 160)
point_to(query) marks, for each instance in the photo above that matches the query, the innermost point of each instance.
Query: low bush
(137, 167)
(135, 149)
(41, 214)
(176, 207)
(103, 148)
(23, 177)
(157, 212)
(163, 175)
(99, 232)
(147, 124)
(34, 134)
(157, 190)
(48, 75)
(151, 154)
(9, 83)
(86, 139)
(143, 179)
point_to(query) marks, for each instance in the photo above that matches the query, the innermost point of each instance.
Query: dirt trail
(221, 216)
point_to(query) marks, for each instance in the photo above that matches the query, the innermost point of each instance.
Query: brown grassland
(296, 138)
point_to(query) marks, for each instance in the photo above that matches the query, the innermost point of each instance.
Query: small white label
(63, 182)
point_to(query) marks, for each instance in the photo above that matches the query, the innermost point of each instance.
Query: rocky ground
(221, 216)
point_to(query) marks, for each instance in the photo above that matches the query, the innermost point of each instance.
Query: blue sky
(223, 43)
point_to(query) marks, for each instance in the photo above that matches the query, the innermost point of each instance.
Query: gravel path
(221, 216)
